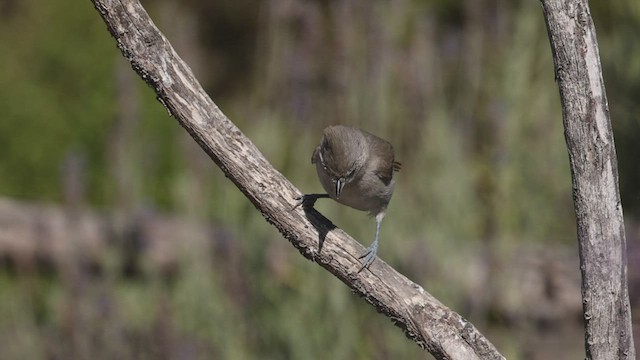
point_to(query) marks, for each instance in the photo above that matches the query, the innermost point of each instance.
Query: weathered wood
(424, 319)
(594, 171)
(54, 236)
(541, 283)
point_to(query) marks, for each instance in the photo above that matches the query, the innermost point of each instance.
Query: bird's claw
(369, 256)
(299, 201)
(307, 200)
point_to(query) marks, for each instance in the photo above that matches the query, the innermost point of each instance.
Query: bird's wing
(385, 164)
(314, 156)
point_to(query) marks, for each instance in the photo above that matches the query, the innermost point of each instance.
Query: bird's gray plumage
(356, 169)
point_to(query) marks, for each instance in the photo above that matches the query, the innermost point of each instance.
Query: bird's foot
(308, 200)
(369, 256)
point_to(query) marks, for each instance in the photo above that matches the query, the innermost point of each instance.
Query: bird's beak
(339, 185)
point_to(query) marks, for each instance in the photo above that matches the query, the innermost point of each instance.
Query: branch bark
(594, 171)
(433, 326)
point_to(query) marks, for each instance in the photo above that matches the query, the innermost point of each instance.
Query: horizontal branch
(544, 281)
(423, 318)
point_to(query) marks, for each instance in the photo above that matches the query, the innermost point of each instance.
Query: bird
(356, 169)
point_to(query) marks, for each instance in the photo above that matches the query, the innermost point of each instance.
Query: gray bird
(356, 169)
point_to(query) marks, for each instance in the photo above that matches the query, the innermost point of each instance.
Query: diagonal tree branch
(433, 326)
(594, 171)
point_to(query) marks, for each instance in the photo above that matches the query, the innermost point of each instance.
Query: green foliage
(56, 96)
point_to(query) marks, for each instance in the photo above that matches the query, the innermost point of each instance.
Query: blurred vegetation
(463, 89)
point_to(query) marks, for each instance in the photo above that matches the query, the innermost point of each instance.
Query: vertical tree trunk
(594, 171)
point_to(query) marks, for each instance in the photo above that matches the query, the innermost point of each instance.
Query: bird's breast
(365, 192)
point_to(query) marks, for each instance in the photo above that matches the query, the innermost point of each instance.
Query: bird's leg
(308, 200)
(370, 254)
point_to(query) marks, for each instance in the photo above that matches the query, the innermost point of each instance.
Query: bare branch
(594, 170)
(424, 319)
